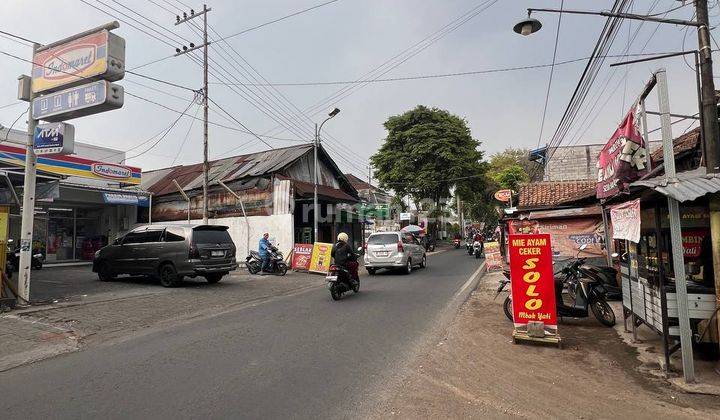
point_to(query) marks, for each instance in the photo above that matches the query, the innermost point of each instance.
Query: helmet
(342, 237)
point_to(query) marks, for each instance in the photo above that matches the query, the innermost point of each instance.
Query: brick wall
(571, 163)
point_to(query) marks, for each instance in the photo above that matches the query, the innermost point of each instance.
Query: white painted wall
(279, 226)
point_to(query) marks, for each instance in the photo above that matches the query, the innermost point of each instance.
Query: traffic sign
(97, 55)
(54, 139)
(79, 101)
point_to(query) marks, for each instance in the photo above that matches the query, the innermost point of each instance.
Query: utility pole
(185, 50)
(710, 131)
(28, 209)
(316, 143)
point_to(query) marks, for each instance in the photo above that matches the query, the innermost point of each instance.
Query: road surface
(301, 356)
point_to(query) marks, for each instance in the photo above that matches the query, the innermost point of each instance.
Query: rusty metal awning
(690, 185)
(564, 213)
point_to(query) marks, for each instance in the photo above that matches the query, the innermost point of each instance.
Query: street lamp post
(316, 145)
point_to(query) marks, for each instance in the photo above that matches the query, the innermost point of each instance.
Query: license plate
(331, 278)
(217, 253)
(382, 253)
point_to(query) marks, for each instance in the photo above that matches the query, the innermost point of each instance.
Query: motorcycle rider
(264, 251)
(478, 237)
(345, 256)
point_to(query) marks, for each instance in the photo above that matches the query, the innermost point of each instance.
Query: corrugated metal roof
(690, 185)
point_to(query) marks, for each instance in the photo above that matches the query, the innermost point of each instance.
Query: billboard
(623, 159)
(568, 234)
(100, 55)
(532, 280)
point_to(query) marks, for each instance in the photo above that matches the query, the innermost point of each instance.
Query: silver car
(394, 250)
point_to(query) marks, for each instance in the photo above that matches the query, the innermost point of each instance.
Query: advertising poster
(531, 272)
(567, 234)
(623, 159)
(320, 259)
(301, 256)
(625, 220)
(692, 243)
(493, 259)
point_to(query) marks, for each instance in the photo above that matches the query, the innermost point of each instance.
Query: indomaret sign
(623, 159)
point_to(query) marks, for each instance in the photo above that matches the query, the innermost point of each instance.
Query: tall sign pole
(185, 50)
(315, 185)
(28, 204)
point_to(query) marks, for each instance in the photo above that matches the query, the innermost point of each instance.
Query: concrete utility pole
(185, 50)
(28, 209)
(331, 115)
(710, 131)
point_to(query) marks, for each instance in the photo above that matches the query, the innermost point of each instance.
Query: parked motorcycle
(607, 276)
(589, 294)
(477, 249)
(338, 282)
(13, 258)
(277, 262)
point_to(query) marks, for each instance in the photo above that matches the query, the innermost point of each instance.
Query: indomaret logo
(106, 170)
(72, 60)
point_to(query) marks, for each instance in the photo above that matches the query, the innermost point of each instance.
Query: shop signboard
(532, 280)
(99, 55)
(692, 242)
(79, 101)
(301, 256)
(503, 195)
(54, 139)
(320, 258)
(405, 216)
(625, 220)
(375, 211)
(493, 259)
(66, 165)
(126, 198)
(623, 159)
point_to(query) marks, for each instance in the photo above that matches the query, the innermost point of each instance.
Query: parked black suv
(169, 252)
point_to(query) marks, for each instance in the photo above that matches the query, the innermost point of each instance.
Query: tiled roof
(688, 141)
(553, 193)
(358, 183)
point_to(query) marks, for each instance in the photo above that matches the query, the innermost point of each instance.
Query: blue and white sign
(79, 101)
(126, 198)
(54, 139)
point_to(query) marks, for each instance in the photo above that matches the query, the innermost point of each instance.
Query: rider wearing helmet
(345, 256)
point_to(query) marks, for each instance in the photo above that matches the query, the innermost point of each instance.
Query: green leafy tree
(511, 177)
(425, 153)
(515, 157)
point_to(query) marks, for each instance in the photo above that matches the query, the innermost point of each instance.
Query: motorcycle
(277, 262)
(456, 243)
(607, 276)
(13, 258)
(588, 294)
(469, 246)
(477, 249)
(338, 282)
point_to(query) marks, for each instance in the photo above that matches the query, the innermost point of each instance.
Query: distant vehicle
(394, 250)
(169, 253)
(428, 242)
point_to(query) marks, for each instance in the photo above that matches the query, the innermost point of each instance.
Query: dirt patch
(475, 371)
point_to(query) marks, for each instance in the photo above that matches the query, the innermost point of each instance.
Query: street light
(527, 26)
(331, 115)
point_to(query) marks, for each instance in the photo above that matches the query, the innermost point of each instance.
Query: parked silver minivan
(169, 252)
(394, 250)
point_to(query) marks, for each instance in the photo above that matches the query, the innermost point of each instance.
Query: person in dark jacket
(345, 256)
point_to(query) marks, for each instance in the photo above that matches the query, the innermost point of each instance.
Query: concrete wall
(279, 226)
(574, 163)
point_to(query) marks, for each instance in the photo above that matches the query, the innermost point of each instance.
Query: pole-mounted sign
(79, 101)
(54, 139)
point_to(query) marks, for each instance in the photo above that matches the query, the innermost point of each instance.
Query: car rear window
(211, 237)
(383, 239)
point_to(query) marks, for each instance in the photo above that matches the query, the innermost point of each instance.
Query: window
(142, 237)
(173, 234)
(211, 236)
(132, 238)
(408, 239)
(383, 239)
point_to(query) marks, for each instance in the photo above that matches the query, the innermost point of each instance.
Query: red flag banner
(532, 280)
(623, 159)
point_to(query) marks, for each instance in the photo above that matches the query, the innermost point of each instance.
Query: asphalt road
(301, 356)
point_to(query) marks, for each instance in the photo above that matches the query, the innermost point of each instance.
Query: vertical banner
(493, 259)
(301, 256)
(623, 159)
(320, 258)
(625, 220)
(532, 280)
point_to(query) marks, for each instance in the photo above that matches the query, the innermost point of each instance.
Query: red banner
(623, 159)
(532, 280)
(301, 256)
(692, 243)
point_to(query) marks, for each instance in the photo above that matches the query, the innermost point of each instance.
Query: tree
(511, 177)
(425, 153)
(515, 157)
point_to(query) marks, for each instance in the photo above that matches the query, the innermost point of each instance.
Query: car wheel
(423, 262)
(105, 272)
(371, 271)
(408, 266)
(214, 277)
(168, 276)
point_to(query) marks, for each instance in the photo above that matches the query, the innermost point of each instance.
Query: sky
(344, 41)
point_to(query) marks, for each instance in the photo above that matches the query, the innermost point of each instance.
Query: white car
(394, 250)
